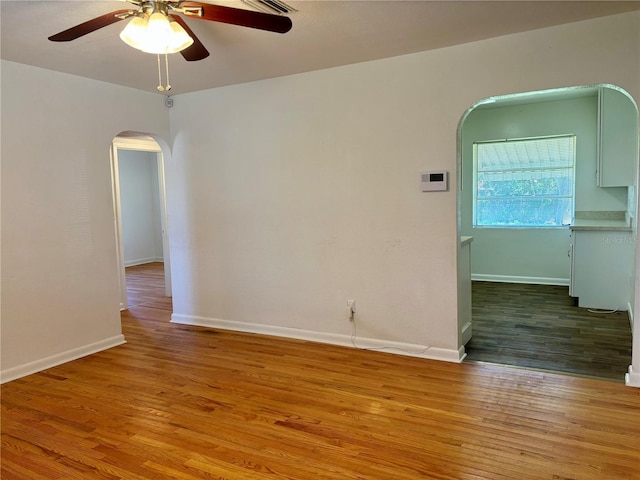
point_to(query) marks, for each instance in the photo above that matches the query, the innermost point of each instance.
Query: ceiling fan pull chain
(160, 87)
(166, 63)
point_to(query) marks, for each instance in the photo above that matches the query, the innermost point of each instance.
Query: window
(524, 183)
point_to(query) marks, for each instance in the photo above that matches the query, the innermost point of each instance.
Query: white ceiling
(324, 34)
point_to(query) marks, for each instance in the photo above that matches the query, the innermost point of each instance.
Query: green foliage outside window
(524, 183)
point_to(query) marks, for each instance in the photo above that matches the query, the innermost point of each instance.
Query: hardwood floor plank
(186, 402)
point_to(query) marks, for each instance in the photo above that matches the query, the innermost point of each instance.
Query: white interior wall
(140, 207)
(294, 194)
(60, 293)
(535, 255)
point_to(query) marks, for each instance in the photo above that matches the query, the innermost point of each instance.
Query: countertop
(600, 224)
(465, 240)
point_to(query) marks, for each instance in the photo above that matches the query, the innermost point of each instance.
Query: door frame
(144, 144)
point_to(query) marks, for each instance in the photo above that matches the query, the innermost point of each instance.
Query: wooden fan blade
(244, 18)
(196, 51)
(88, 27)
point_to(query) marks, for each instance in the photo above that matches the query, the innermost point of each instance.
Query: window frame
(475, 145)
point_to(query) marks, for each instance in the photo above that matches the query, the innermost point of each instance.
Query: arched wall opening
(604, 119)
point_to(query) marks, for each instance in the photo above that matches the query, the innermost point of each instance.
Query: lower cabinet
(602, 268)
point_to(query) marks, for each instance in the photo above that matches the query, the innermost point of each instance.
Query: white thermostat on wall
(434, 181)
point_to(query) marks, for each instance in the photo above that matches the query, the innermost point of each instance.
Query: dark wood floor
(186, 403)
(539, 326)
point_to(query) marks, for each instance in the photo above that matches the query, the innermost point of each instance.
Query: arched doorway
(603, 119)
(139, 195)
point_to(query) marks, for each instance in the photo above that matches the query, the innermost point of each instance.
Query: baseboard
(60, 358)
(480, 277)
(399, 348)
(630, 312)
(632, 379)
(142, 261)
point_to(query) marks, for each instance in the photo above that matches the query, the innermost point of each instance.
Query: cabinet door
(602, 268)
(617, 139)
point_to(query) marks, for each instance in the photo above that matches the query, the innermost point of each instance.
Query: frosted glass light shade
(156, 35)
(135, 32)
(180, 39)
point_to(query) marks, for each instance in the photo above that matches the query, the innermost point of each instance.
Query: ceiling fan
(163, 15)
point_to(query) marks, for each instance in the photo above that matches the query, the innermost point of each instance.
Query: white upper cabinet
(617, 139)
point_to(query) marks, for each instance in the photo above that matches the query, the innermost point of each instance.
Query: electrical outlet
(351, 309)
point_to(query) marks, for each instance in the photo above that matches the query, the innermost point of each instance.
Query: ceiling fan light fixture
(156, 34)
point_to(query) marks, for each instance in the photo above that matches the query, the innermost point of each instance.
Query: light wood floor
(539, 326)
(179, 402)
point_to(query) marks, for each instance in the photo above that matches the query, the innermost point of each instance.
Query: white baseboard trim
(60, 358)
(630, 312)
(399, 348)
(480, 277)
(632, 379)
(142, 261)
